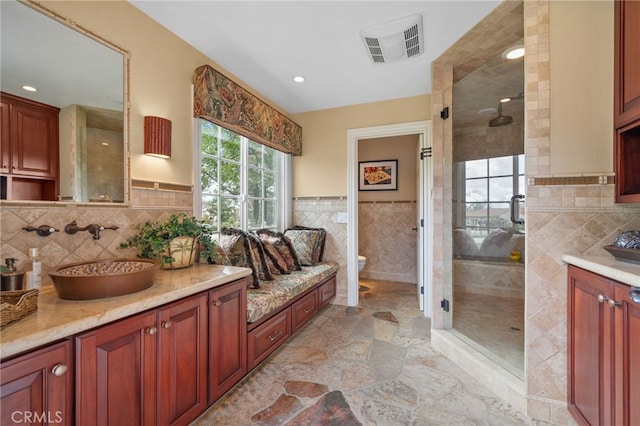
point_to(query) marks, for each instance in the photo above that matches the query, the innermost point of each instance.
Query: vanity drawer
(326, 292)
(304, 309)
(267, 337)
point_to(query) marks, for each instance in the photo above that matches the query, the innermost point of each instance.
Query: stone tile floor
(370, 365)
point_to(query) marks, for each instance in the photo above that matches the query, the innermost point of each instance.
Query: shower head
(500, 120)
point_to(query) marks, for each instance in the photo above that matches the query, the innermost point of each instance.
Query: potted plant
(176, 242)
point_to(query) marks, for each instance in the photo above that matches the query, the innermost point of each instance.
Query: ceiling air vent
(395, 40)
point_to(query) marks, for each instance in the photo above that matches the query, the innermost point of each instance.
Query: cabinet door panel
(590, 347)
(268, 336)
(182, 387)
(5, 139)
(627, 62)
(627, 375)
(304, 309)
(116, 373)
(326, 291)
(30, 392)
(35, 147)
(227, 337)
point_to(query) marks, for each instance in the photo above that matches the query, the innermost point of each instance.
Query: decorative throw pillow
(304, 242)
(277, 264)
(236, 245)
(283, 244)
(318, 251)
(218, 256)
(259, 258)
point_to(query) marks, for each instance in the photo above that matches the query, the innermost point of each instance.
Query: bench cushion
(273, 294)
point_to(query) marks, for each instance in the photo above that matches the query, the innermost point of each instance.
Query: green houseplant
(176, 242)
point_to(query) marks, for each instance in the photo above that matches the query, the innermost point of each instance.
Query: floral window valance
(222, 101)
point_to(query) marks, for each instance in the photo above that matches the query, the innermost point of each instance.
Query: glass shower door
(488, 257)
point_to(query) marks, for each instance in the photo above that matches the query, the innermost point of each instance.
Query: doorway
(423, 225)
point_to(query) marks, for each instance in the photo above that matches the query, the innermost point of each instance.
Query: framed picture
(378, 175)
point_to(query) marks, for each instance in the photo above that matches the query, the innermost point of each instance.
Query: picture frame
(378, 175)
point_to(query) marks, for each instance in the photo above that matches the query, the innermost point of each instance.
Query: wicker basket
(17, 304)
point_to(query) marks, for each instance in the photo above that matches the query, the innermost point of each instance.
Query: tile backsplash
(61, 248)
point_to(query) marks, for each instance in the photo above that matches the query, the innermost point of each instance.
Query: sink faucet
(93, 229)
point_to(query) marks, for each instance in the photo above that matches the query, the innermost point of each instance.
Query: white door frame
(423, 129)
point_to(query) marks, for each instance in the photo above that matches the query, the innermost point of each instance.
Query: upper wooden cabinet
(627, 62)
(29, 149)
(627, 101)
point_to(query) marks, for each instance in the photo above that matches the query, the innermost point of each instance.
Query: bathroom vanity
(603, 345)
(112, 360)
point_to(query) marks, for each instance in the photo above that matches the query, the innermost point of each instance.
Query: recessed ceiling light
(30, 88)
(514, 52)
(298, 79)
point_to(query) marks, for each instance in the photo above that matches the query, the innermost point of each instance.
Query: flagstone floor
(370, 365)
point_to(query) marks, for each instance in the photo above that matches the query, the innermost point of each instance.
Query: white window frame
(283, 192)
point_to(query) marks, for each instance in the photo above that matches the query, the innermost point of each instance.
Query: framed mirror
(85, 77)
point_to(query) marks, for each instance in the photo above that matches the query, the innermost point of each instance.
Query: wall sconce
(157, 137)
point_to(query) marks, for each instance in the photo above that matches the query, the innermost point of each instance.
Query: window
(241, 181)
(489, 184)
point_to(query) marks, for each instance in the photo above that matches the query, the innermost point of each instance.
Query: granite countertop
(608, 266)
(56, 318)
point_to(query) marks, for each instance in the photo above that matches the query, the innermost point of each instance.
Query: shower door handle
(512, 209)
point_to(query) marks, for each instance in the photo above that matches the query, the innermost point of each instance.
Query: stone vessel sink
(103, 278)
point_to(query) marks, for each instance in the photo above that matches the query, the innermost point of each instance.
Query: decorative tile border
(166, 186)
(389, 202)
(572, 180)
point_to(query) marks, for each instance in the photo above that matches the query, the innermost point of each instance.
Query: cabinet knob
(275, 335)
(634, 294)
(216, 303)
(166, 324)
(59, 370)
(614, 304)
(308, 310)
(602, 298)
(151, 331)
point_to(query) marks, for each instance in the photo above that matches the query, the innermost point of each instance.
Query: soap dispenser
(34, 279)
(11, 278)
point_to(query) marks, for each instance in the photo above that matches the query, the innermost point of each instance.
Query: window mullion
(244, 215)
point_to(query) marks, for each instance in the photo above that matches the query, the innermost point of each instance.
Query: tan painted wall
(581, 59)
(401, 148)
(322, 168)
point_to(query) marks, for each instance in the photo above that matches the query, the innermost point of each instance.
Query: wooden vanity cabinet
(37, 388)
(627, 358)
(227, 337)
(116, 368)
(603, 348)
(29, 149)
(182, 365)
(627, 100)
(147, 369)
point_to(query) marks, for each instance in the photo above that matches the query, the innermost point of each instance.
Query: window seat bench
(282, 306)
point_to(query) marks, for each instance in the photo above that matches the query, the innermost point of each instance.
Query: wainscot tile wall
(388, 239)
(322, 212)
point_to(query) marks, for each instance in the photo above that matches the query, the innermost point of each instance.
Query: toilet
(361, 262)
